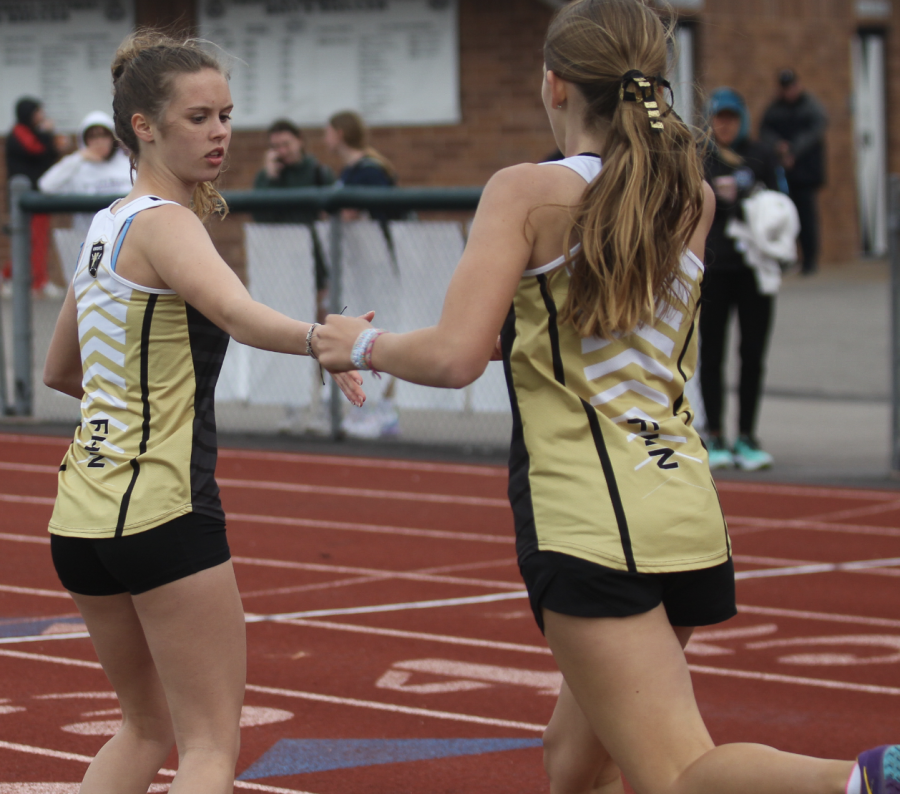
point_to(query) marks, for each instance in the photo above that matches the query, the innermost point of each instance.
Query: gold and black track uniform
(605, 465)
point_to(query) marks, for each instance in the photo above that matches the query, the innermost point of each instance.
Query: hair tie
(645, 86)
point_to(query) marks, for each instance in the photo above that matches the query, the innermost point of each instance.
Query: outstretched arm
(172, 245)
(456, 351)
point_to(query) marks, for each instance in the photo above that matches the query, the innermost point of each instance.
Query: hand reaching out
(347, 378)
(333, 341)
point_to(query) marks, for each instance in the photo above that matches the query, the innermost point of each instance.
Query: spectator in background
(346, 136)
(794, 128)
(31, 149)
(287, 164)
(99, 167)
(733, 166)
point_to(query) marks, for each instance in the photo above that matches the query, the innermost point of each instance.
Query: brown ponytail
(636, 219)
(143, 72)
(355, 135)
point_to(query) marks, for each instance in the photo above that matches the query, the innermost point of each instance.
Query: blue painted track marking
(301, 756)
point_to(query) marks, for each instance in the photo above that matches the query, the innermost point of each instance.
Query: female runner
(138, 532)
(620, 537)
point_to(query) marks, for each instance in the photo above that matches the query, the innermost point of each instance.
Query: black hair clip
(645, 86)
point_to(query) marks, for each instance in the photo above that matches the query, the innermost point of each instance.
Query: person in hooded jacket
(99, 167)
(30, 150)
(733, 166)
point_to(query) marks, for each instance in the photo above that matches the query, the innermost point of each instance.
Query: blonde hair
(635, 220)
(143, 71)
(356, 136)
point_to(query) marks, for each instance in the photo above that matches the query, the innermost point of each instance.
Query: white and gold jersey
(605, 464)
(145, 451)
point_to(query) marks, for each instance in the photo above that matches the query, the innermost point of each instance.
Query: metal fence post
(20, 229)
(335, 298)
(894, 260)
(4, 394)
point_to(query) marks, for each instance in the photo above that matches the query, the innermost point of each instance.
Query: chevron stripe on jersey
(144, 453)
(605, 464)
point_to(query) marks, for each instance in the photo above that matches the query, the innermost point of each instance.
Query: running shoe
(720, 456)
(880, 770)
(748, 456)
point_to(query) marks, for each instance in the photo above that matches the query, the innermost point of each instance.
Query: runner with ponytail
(589, 268)
(138, 530)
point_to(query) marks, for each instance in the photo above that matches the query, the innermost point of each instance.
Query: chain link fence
(398, 268)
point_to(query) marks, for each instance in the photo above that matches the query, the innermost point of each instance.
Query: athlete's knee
(153, 728)
(574, 769)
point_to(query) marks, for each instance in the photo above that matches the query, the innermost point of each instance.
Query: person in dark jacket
(733, 166)
(287, 164)
(794, 128)
(31, 150)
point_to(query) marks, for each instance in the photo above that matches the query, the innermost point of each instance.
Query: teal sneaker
(720, 456)
(748, 456)
(880, 770)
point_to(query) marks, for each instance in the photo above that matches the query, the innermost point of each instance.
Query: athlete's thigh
(196, 632)
(122, 648)
(631, 680)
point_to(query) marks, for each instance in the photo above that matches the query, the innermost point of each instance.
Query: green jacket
(307, 173)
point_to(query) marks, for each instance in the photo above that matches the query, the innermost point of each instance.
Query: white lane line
(42, 540)
(826, 567)
(372, 528)
(378, 706)
(856, 512)
(792, 679)
(35, 591)
(29, 468)
(310, 588)
(374, 572)
(470, 566)
(86, 759)
(26, 748)
(39, 657)
(418, 635)
(812, 492)
(824, 616)
(443, 602)
(366, 463)
(364, 493)
(27, 500)
(72, 635)
(815, 526)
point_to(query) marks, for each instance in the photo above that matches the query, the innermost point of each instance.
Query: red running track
(384, 602)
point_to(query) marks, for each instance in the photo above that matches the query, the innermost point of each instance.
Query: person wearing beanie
(98, 167)
(733, 166)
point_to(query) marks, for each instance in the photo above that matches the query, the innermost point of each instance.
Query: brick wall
(737, 44)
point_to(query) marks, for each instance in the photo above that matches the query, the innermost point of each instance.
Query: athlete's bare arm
(519, 219)
(168, 248)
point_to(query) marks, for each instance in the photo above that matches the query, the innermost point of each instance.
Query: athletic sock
(854, 783)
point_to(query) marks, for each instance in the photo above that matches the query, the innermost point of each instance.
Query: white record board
(60, 51)
(396, 62)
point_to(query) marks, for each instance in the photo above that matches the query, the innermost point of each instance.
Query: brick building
(729, 43)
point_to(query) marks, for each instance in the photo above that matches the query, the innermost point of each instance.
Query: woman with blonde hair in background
(138, 531)
(590, 269)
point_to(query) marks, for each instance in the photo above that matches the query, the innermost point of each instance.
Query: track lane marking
(35, 591)
(377, 529)
(793, 679)
(86, 759)
(816, 526)
(374, 572)
(825, 567)
(418, 635)
(397, 709)
(824, 616)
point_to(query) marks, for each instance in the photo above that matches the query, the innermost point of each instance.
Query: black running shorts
(573, 586)
(138, 563)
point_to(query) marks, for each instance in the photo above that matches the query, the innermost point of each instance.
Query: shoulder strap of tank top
(587, 166)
